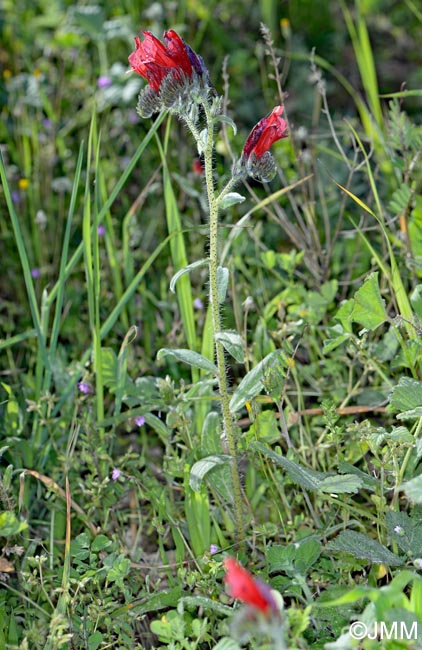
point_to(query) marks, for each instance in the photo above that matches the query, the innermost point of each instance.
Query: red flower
(248, 589)
(154, 61)
(265, 133)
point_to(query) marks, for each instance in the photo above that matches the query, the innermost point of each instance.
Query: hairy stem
(228, 429)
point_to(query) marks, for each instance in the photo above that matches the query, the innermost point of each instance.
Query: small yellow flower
(23, 183)
(7, 74)
(37, 73)
(285, 27)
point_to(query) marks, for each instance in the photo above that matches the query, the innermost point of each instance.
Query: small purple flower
(103, 81)
(115, 474)
(16, 196)
(139, 420)
(198, 304)
(47, 123)
(101, 230)
(214, 549)
(84, 387)
(35, 272)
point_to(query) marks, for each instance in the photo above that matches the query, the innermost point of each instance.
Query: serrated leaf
(232, 343)
(154, 602)
(190, 357)
(406, 395)
(205, 603)
(226, 643)
(369, 307)
(364, 548)
(413, 489)
(222, 283)
(186, 269)
(253, 383)
(232, 198)
(341, 483)
(400, 199)
(201, 468)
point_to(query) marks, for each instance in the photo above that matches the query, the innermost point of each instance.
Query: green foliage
(116, 502)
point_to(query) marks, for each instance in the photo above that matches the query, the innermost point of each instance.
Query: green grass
(110, 499)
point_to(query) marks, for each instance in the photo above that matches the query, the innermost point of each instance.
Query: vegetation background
(113, 526)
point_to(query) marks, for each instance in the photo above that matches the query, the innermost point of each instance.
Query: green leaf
(201, 468)
(306, 478)
(406, 395)
(253, 383)
(295, 558)
(10, 524)
(205, 603)
(95, 640)
(222, 283)
(232, 343)
(406, 531)
(340, 484)
(232, 198)
(227, 120)
(109, 367)
(364, 548)
(158, 426)
(154, 602)
(369, 307)
(100, 543)
(413, 489)
(416, 300)
(186, 269)
(190, 357)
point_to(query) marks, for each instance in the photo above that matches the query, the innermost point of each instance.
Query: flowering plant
(178, 82)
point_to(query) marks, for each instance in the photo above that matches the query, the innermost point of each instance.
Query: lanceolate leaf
(190, 357)
(232, 343)
(186, 269)
(231, 199)
(253, 383)
(201, 468)
(364, 548)
(222, 283)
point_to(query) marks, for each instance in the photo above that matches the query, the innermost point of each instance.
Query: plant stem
(228, 429)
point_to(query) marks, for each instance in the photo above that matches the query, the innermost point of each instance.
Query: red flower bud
(265, 133)
(250, 590)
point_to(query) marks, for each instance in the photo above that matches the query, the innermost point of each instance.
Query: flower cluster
(176, 75)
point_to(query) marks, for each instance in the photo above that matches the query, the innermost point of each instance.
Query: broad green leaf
(210, 435)
(369, 307)
(232, 198)
(413, 489)
(232, 343)
(201, 468)
(341, 483)
(253, 383)
(295, 558)
(364, 548)
(222, 283)
(190, 357)
(406, 395)
(406, 531)
(158, 426)
(368, 481)
(186, 269)
(152, 603)
(99, 543)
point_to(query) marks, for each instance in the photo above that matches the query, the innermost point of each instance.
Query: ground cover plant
(211, 389)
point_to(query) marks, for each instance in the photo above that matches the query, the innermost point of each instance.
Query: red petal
(176, 48)
(244, 587)
(265, 133)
